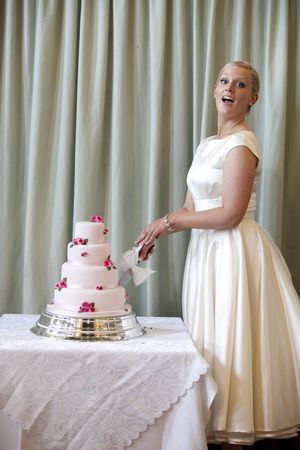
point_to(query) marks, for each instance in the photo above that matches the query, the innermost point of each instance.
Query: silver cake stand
(112, 328)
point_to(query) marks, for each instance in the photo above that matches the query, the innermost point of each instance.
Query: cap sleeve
(246, 139)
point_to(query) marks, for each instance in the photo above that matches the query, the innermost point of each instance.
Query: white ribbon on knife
(129, 264)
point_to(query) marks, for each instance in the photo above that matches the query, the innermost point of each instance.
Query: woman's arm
(158, 228)
(238, 178)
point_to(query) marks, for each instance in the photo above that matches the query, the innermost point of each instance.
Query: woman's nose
(230, 86)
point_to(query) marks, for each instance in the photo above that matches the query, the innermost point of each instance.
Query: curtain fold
(103, 103)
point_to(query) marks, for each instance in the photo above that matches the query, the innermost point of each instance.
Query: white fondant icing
(51, 308)
(85, 276)
(105, 300)
(89, 254)
(93, 231)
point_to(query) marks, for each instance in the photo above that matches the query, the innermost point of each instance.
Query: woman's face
(233, 92)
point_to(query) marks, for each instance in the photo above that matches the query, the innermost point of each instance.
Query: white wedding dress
(242, 311)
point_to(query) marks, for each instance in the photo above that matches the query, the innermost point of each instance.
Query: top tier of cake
(93, 232)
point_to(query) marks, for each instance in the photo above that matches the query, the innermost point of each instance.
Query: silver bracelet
(167, 224)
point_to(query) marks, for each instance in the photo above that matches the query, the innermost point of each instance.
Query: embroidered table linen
(96, 395)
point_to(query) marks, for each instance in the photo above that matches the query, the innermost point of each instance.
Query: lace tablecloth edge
(191, 384)
(151, 422)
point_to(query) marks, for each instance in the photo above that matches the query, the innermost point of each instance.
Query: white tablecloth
(71, 395)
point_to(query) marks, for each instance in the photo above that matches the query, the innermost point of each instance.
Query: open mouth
(227, 99)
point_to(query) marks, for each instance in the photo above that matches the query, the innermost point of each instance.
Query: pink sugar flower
(99, 288)
(105, 231)
(85, 304)
(61, 284)
(79, 241)
(109, 264)
(87, 307)
(97, 219)
(84, 254)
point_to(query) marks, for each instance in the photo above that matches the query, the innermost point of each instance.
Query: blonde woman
(239, 303)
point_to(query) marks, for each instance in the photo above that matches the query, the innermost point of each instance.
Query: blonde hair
(245, 65)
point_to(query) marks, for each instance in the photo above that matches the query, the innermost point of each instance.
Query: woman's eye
(240, 84)
(223, 81)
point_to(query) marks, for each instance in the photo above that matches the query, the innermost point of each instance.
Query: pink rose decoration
(99, 288)
(84, 254)
(105, 231)
(96, 219)
(87, 307)
(79, 241)
(109, 264)
(61, 284)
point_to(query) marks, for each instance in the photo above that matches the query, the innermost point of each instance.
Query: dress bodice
(205, 177)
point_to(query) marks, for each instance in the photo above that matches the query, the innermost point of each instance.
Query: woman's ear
(254, 99)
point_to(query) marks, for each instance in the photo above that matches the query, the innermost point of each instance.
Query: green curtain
(103, 104)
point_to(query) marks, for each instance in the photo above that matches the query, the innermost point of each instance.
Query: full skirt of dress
(243, 313)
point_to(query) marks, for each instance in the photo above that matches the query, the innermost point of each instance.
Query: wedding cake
(89, 279)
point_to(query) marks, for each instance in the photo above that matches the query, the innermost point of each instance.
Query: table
(152, 392)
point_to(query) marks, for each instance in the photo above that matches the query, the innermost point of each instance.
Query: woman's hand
(148, 236)
(151, 232)
(146, 251)
(159, 228)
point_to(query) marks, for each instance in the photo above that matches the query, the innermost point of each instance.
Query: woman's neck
(228, 127)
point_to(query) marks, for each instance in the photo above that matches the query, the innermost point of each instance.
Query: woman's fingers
(146, 251)
(146, 236)
(150, 233)
(141, 236)
(143, 255)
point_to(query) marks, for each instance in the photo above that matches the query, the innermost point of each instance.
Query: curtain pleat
(103, 104)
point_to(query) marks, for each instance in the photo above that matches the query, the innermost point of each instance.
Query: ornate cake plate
(112, 328)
